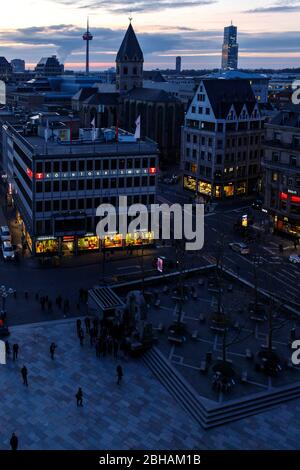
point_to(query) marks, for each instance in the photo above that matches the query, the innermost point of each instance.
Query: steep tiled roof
(130, 49)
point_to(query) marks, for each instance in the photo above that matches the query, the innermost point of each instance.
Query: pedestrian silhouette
(7, 349)
(81, 336)
(87, 322)
(14, 442)
(52, 350)
(119, 374)
(24, 373)
(78, 326)
(79, 397)
(15, 351)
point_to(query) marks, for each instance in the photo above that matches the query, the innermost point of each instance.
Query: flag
(2, 353)
(93, 124)
(137, 133)
(46, 132)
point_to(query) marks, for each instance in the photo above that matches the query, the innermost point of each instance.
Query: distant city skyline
(268, 32)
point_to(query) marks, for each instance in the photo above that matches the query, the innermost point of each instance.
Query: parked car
(8, 251)
(5, 234)
(241, 248)
(295, 259)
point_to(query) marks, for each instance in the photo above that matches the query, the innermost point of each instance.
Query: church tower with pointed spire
(129, 63)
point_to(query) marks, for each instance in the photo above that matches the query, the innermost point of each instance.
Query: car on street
(241, 248)
(8, 251)
(5, 234)
(295, 259)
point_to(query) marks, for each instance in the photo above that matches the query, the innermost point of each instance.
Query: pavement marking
(288, 273)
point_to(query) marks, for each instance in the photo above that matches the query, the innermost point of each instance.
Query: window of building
(293, 160)
(48, 187)
(64, 185)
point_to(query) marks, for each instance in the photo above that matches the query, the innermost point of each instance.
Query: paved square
(138, 414)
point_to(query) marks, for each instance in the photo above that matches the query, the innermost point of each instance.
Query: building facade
(230, 48)
(18, 65)
(49, 67)
(5, 69)
(282, 171)
(178, 64)
(222, 140)
(57, 187)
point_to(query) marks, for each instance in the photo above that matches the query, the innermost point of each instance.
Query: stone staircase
(208, 413)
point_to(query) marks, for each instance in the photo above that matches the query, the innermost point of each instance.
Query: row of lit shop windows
(52, 245)
(287, 226)
(217, 190)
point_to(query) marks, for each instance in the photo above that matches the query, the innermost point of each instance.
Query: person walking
(15, 351)
(87, 323)
(91, 336)
(81, 336)
(78, 326)
(79, 397)
(7, 349)
(24, 373)
(52, 350)
(14, 442)
(119, 374)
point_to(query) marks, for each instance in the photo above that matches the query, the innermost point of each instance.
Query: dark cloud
(280, 6)
(117, 6)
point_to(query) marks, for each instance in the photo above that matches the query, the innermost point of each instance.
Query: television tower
(87, 37)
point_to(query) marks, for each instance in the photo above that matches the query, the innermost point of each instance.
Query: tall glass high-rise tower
(230, 48)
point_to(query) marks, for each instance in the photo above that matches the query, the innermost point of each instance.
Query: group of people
(106, 340)
(62, 304)
(100, 336)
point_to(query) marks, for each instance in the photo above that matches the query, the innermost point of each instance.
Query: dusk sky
(269, 32)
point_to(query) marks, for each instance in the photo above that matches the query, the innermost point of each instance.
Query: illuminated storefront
(241, 188)
(228, 190)
(88, 243)
(46, 245)
(68, 244)
(286, 225)
(218, 191)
